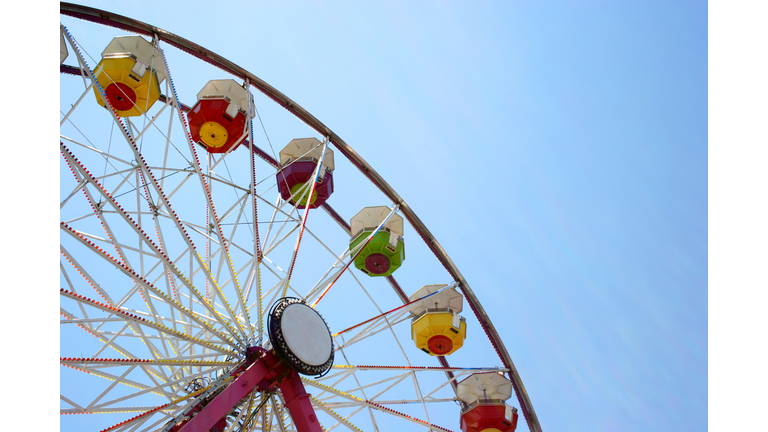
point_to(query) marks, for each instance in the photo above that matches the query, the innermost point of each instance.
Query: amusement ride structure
(209, 283)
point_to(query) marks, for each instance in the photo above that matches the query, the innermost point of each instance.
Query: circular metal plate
(306, 334)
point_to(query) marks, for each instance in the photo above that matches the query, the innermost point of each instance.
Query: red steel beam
(267, 373)
(298, 404)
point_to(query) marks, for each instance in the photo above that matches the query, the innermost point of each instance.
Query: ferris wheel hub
(300, 336)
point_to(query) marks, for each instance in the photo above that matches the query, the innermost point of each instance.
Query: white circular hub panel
(306, 334)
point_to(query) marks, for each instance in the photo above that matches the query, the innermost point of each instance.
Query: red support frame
(267, 372)
(298, 404)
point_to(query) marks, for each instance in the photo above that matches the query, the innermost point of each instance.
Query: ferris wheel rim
(135, 26)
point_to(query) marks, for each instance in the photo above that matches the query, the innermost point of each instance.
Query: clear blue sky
(557, 151)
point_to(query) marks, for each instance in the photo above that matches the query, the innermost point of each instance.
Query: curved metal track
(135, 26)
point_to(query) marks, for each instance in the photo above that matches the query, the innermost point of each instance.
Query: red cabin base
(292, 176)
(210, 125)
(488, 416)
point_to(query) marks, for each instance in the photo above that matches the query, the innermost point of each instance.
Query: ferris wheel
(229, 263)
